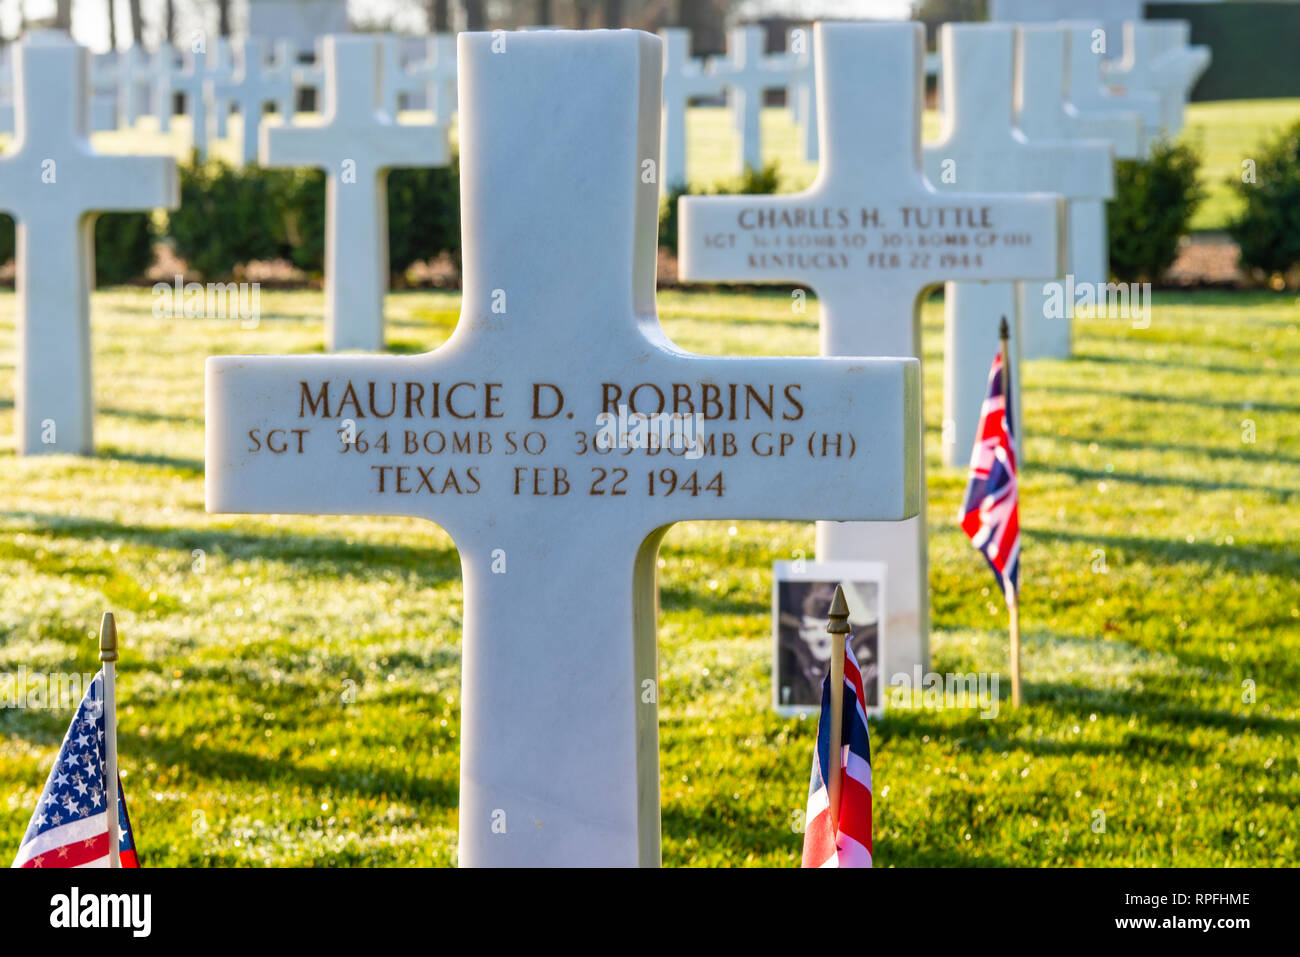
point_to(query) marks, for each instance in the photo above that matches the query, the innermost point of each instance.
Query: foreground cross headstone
(356, 145)
(559, 754)
(52, 182)
(981, 149)
(869, 236)
(1044, 112)
(685, 79)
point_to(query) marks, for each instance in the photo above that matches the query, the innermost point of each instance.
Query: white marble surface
(869, 236)
(52, 182)
(980, 148)
(559, 753)
(356, 145)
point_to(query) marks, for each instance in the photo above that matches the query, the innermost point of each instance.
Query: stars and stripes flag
(990, 512)
(850, 845)
(70, 825)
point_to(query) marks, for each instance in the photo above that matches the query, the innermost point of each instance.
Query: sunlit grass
(1160, 576)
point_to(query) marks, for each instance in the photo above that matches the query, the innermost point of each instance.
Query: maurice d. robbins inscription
(449, 438)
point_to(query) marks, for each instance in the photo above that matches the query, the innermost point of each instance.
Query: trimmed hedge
(1153, 205)
(123, 246)
(752, 181)
(1268, 230)
(234, 215)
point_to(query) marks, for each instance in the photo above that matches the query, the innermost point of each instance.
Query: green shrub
(123, 247)
(752, 182)
(227, 216)
(1268, 230)
(298, 197)
(7, 240)
(423, 215)
(1154, 202)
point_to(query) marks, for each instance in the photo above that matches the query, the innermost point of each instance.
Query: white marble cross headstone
(356, 145)
(1090, 44)
(438, 72)
(747, 73)
(203, 64)
(558, 533)
(253, 84)
(399, 80)
(52, 182)
(981, 149)
(1043, 111)
(1157, 58)
(135, 76)
(685, 78)
(802, 95)
(869, 236)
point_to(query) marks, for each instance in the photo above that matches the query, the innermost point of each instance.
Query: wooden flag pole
(838, 626)
(108, 655)
(1013, 600)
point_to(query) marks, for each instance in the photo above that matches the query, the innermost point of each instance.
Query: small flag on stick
(71, 826)
(837, 830)
(990, 512)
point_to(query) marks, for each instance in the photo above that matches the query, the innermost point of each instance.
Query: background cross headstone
(558, 541)
(1157, 58)
(52, 182)
(869, 236)
(981, 149)
(747, 73)
(252, 85)
(684, 79)
(1043, 112)
(1089, 46)
(356, 145)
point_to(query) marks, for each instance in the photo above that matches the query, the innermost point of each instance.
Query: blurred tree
(112, 25)
(544, 13)
(137, 22)
(935, 12)
(613, 14)
(474, 18)
(439, 16)
(63, 15)
(223, 17)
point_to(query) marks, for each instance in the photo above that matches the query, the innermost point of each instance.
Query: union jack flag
(990, 512)
(823, 846)
(70, 825)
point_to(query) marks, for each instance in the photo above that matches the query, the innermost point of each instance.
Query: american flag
(990, 512)
(70, 825)
(851, 846)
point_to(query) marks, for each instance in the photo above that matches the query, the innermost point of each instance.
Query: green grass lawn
(1160, 576)
(1226, 133)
